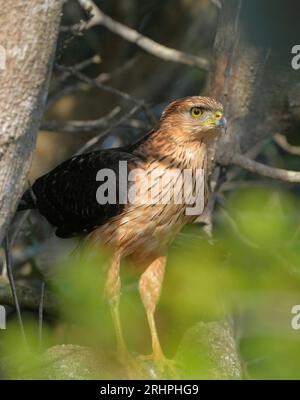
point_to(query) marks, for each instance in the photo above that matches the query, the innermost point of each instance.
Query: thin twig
(13, 287)
(18, 225)
(41, 313)
(60, 90)
(68, 89)
(110, 89)
(16, 228)
(106, 76)
(88, 126)
(96, 59)
(265, 170)
(103, 77)
(80, 126)
(149, 45)
(95, 140)
(29, 299)
(97, 84)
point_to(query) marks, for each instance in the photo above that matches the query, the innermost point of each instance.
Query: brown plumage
(140, 231)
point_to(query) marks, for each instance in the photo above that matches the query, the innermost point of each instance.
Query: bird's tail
(28, 201)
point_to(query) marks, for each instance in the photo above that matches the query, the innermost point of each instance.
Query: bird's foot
(164, 365)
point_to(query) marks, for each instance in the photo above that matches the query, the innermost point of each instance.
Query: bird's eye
(196, 112)
(218, 115)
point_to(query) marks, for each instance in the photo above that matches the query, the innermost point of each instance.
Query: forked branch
(149, 45)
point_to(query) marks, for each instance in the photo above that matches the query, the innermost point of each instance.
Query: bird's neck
(162, 147)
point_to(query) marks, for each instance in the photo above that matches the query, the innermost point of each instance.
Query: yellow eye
(196, 112)
(218, 115)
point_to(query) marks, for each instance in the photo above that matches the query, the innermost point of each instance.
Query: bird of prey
(138, 230)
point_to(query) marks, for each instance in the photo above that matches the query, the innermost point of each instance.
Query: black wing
(66, 196)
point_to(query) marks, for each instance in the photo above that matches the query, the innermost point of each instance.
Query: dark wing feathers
(66, 196)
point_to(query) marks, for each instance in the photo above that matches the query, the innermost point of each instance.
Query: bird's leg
(113, 292)
(150, 287)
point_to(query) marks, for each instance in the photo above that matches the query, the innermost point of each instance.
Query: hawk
(138, 230)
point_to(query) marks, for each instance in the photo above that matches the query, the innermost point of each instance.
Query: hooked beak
(222, 123)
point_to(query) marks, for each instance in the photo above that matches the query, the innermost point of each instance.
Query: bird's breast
(162, 198)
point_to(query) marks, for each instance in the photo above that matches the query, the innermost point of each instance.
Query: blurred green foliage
(250, 271)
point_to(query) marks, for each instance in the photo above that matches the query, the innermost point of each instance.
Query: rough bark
(252, 73)
(28, 32)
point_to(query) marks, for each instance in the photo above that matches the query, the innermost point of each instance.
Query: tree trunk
(28, 33)
(252, 75)
(252, 72)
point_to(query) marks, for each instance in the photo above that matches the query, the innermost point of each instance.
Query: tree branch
(264, 170)
(92, 142)
(125, 96)
(29, 298)
(149, 45)
(103, 77)
(282, 142)
(80, 126)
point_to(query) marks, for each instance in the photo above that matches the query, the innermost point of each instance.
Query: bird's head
(193, 118)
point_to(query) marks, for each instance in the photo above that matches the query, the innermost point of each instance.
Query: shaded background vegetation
(247, 274)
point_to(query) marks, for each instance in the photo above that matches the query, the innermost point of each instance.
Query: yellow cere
(218, 115)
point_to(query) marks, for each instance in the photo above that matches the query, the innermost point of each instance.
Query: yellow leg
(113, 293)
(150, 287)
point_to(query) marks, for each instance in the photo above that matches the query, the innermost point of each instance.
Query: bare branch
(74, 87)
(149, 45)
(79, 86)
(106, 76)
(41, 313)
(13, 288)
(29, 298)
(122, 120)
(96, 59)
(109, 89)
(265, 170)
(285, 145)
(99, 85)
(80, 126)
